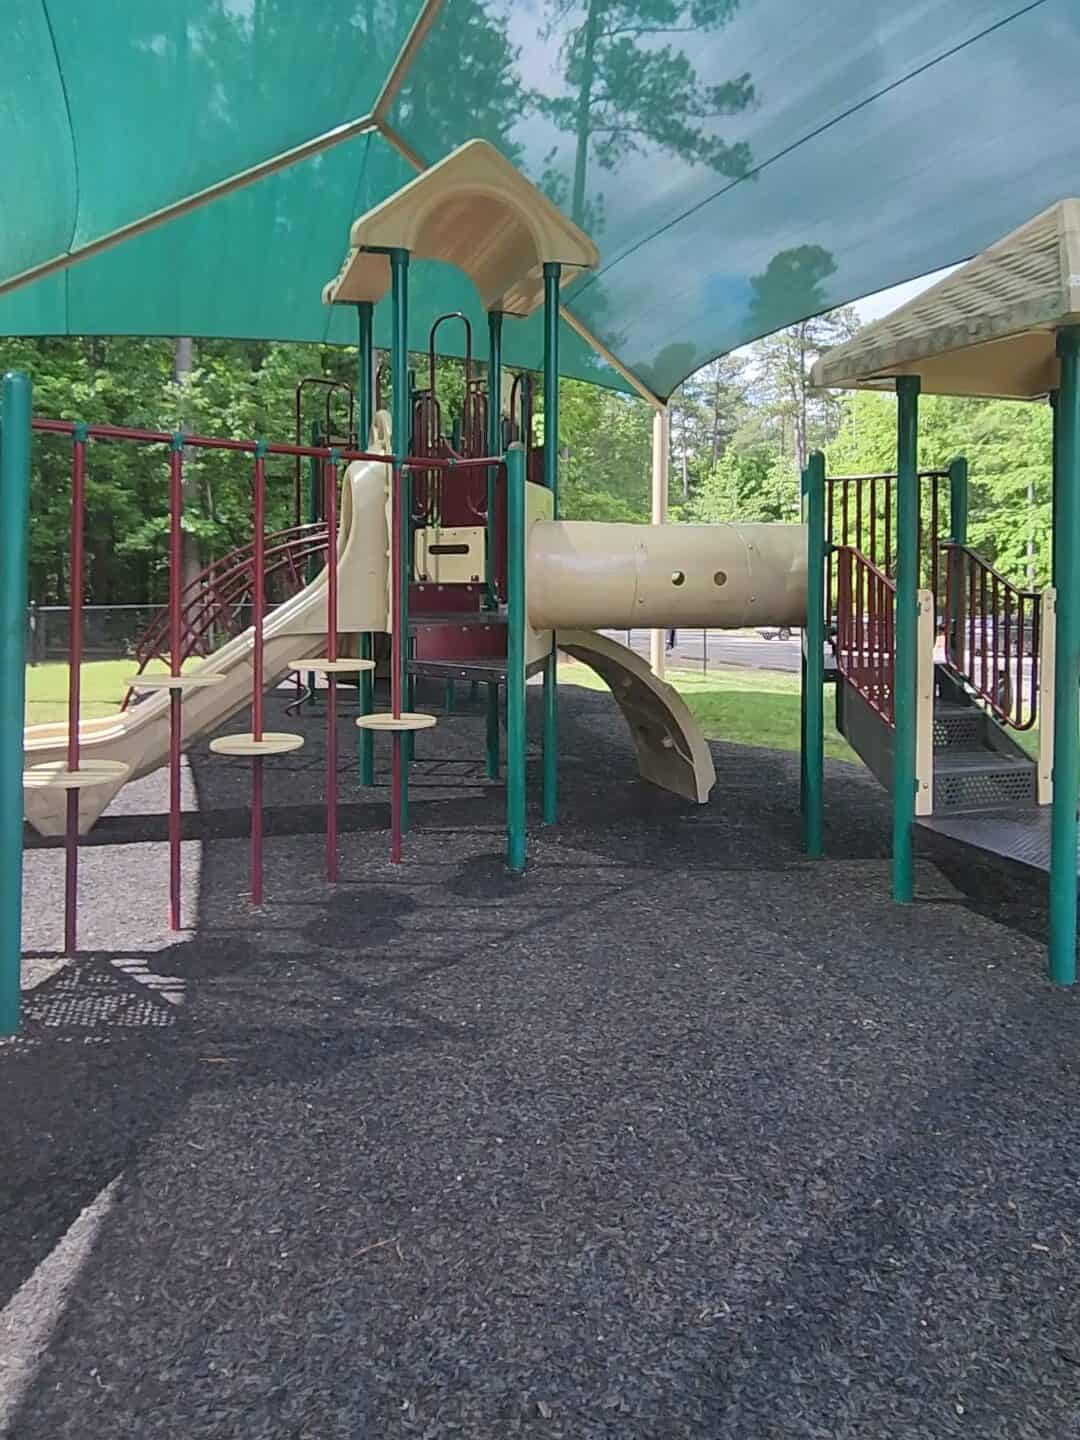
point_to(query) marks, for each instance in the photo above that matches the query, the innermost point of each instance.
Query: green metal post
(1061, 960)
(958, 500)
(14, 526)
(493, 730)
(365, 410)
(399, 373)
(551, 480)
(1054, 489)
(494, 444)
(450, 698)
(905, 675)
(813, 669)
(954, 579)
(515, 657)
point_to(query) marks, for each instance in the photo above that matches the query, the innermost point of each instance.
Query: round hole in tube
(678, 577)
(720, 578)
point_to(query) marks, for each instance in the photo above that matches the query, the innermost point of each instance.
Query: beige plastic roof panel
(987, 329)
(475, 211)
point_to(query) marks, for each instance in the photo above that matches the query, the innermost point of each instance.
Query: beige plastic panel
(472, 210)
(322, 666)
(987, 329)
(386, 720)
(582, 574)
(539, 507)
(450, 555)
(671, 750)
(271, 742)
(173, 682)
(1047, 680)
(924, 707)
(139, 737)
(90, 773)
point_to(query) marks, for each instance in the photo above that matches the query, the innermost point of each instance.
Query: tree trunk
(183, 364)
(584, 114)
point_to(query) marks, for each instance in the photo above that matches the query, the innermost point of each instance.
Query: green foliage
(628, 92)
(1008, 446)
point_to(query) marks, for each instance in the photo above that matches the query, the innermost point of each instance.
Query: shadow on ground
(680, 1135)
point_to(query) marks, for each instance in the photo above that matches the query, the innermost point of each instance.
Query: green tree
(631, 92)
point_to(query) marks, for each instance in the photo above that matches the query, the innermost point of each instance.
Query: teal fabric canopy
(739, 163)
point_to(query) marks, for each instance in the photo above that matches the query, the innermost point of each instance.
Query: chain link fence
(110, 632)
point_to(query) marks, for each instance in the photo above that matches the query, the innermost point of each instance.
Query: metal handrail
(865, 629)
(222, 589)
(992, 636)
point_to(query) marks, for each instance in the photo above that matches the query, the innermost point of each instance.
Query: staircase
(977, 763)
(985, 667)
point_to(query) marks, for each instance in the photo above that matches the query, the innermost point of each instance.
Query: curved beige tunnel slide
(672, 751)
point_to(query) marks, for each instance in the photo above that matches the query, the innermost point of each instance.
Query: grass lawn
(103, 685)
(747, 707)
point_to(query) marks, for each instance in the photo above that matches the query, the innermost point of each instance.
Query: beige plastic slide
(139, 736)
(672, 751)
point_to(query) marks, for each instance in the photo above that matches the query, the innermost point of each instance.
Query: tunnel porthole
(678, 577)
(720, 578)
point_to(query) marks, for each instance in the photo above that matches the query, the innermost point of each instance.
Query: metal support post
(905, 677)
(399, 376)
(661, 452)
(812, 777)
(14, 526)
(493, 730)
(494, 444)
(551, 480)
(515, 657)
(1061, 959)
(365, 410)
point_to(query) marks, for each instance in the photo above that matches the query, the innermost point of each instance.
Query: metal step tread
(984, 760)
(463, 618)
(490, 668)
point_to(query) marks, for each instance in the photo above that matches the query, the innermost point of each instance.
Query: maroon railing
(865, 631)
(860, 512)
(992, 636)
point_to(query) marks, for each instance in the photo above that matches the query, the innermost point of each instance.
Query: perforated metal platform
(1020, 837)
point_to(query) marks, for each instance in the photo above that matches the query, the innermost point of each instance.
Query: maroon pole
(257, 613)
(330, 511)
(176, 491)
(395, 667)
(71, 828)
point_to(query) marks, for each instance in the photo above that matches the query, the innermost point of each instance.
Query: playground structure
(446, 557)
(937, 720)
(441, 543)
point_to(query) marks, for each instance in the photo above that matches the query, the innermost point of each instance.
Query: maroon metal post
(258, 610)
(176, 492)
(330, 475)
(71, 827)
(395, 667)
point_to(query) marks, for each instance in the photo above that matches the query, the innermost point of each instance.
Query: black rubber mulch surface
(681, 1135)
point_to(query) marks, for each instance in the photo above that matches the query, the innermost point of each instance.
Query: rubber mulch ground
(680, 1136)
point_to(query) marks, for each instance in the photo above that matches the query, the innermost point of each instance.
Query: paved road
(722, 648)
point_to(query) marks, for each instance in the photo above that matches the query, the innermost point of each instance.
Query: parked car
(775, 632)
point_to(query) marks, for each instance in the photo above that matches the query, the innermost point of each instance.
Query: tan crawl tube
(586, 574)
(671, 750)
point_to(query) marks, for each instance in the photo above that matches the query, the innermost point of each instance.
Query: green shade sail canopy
(740, 164)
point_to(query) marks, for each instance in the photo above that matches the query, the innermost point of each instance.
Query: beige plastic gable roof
(472, 210)
(987, 329)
